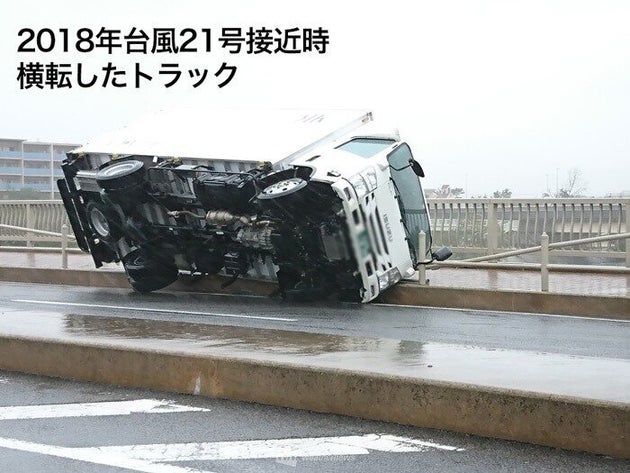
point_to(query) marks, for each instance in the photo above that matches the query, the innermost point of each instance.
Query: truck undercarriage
(158, 217)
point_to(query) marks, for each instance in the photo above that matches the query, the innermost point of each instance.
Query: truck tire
(121, 175)
(146, 272)
(103, 221)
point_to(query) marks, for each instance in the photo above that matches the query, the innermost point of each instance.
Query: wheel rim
(117, 169)
(99, 223)
(286, 187)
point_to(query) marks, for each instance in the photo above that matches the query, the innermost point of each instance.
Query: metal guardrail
(544, 265)
(63, 237)
(470, 227)
(46, 216)
(488, 226)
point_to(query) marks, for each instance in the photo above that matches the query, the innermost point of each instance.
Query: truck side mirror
(442, 254)
(417, 169)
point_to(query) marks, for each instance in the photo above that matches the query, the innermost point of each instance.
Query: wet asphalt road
(226, 421)
(493, 330)
(37, 445)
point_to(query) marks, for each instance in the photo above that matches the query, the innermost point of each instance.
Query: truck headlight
(364, 182)
(388, 279)
(359, 185)
(369, 177)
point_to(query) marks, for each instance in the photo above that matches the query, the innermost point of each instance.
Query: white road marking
(95, 409)
(148, 309)
(274, 448)
(90, 456)
(154, 458)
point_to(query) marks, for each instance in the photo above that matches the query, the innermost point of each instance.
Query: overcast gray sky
(489, 94)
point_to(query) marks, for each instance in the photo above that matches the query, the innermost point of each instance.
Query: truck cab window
(410, 198)
(366, 147)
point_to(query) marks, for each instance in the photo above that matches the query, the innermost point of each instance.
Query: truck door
(411, 200)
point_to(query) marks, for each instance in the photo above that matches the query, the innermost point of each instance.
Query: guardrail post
(544, 262)
(493, 228)
(29, 224)
(422, 252)
(64, 246)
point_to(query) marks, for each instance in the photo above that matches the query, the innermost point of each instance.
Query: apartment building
(31, 166)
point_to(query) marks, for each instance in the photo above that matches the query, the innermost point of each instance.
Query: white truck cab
(323, 202)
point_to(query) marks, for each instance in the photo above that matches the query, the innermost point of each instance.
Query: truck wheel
(121, 175)
(147, 273)
(103, 221)
(282, 188)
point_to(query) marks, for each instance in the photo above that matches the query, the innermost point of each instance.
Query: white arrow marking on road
(274, 448)
(148, 309)
(109, 408)
(152, 458)
(81, 454)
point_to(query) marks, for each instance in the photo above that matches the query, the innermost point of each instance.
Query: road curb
(403, 294)
(564, 422)
(118, 279)
(511, 301)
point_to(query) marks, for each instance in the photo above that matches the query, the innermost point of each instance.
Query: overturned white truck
(326, 203)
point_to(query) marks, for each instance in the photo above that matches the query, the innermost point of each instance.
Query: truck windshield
(411, 198)
(366, 147)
